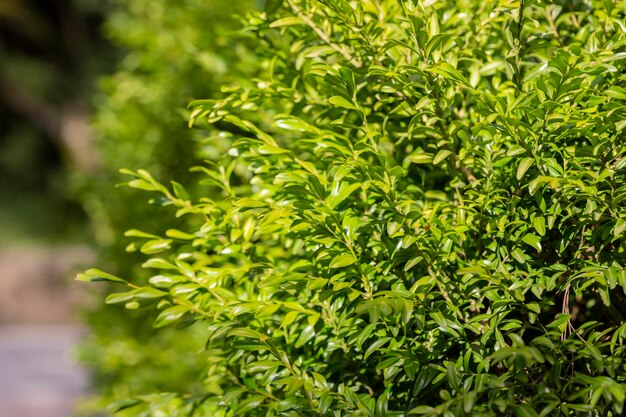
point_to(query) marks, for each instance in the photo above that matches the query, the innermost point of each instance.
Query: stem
(520, 46)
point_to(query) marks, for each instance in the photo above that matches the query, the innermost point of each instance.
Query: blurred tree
(173, 51)
(50, 54)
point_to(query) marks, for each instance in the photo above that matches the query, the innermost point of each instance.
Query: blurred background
(88, 87)
(52, 53)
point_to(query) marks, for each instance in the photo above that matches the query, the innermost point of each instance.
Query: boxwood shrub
(421, 212)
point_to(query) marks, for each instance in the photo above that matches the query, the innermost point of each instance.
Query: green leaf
(340, 191)
(147, 293)
(420, 158)
(120, 297)
(441, 155)
(248, 404)
(179, 191)
(249, 203)
(342, 261)
(619, 228)
(247, 333)
(158, 263)
(293, 123)
(534, 184)
(268, 149)
(139, 233)
(347, 76)
(342, 102)
(616, 92)
(518, 254)
(468, 401)
(155, 246)
(287, 21)
(515, 150)
(524, 410)
(523, 167)
(305, 335)
(289, 318)
(166, 281)
(124, 404)
(560, 322)
(142, 185)
(421, 409)
(177, 234)
(377, 344)
(539, 223)
(532, 240)
(364, 335)
(95, 275)
(169, 316)
(450, 73)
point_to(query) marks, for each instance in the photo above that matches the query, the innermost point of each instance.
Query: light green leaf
(268, 149)
(532, 240)
(295, 124)
(518, 254)
(441, 155)
(169, 316)
(155, 246)
(148, 293)
(340, 191)
(94, 275)
(120, 297)
(515, 150)
(179, 191)
(448, 72)
(539, 223)
(342, 102)
(420, 158)
(249, 203)
(177, 234)
(342, 260)
(305, 335)
(616, 92)
(421, 409)
(287, 21)
(620, 226)
(523, 167)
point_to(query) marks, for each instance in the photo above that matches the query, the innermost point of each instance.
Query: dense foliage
(421, 213)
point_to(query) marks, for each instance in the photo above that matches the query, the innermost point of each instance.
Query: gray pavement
(38, 377)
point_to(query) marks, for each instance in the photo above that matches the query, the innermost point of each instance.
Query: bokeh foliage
(50, 54)
(420, 213)
(169, 53)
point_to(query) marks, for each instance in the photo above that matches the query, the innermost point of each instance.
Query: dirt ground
(37, 283)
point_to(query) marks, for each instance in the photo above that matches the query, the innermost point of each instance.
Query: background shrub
(169, 52)
(420, 213)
